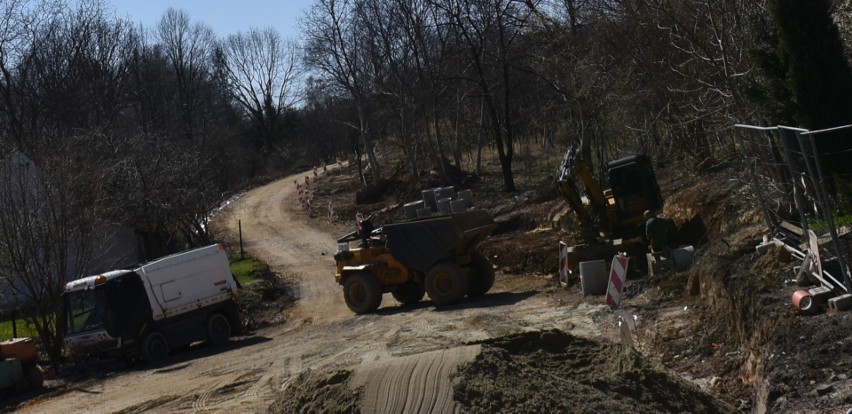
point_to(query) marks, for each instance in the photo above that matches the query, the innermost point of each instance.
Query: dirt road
(401, 358)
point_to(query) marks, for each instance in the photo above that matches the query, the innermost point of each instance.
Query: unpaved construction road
(401, 358)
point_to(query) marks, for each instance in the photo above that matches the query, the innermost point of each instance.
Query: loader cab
(634, 188)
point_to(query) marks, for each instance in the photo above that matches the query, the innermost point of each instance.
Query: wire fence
(804, 188)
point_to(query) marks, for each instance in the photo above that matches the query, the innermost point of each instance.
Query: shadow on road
(180, 358)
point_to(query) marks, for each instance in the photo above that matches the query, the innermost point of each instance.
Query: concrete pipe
(804, 302)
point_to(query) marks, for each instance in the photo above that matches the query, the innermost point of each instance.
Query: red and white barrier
(563, 264)
(617, 274)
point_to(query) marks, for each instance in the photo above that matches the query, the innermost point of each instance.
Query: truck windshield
(85, 310)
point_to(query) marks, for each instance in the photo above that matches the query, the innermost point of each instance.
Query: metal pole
(783, 133)
(760, 199)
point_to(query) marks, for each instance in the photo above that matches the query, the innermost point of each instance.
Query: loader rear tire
(483, 272)
(409, 293)
(446, 283)
(362, 292)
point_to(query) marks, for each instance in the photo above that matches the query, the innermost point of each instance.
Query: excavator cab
(634, 188)
(616, 207)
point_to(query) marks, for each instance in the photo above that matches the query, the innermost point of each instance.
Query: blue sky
(224, 17)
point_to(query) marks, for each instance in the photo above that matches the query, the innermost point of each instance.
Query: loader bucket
(418, 245)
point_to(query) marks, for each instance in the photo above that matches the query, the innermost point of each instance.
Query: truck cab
(105, 312)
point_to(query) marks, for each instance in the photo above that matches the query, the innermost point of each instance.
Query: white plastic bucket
(429, 200)
(683, 257)
(457, 206)
(593, 277)
(410, 209)
(445, 192)
(467, 196)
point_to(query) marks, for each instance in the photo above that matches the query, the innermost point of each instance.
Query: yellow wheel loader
(435, 255)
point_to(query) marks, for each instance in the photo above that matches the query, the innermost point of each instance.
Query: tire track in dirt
(412, 384)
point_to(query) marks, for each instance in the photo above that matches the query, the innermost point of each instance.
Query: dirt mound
(523, 252)
(814, 366)
(551, 371)
(312, 392)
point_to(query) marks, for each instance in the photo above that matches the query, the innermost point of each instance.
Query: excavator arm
(570, 170)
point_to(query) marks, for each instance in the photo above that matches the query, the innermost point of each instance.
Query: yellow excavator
(617, 210)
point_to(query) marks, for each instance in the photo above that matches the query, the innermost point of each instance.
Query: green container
(10, 372)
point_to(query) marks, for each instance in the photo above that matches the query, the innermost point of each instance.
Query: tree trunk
(439, 142)
(406, 144)
(479, 143)
(368, 145)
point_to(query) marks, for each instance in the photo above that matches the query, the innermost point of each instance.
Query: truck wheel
(218, 329)
(483, 272)
(362, 292)
(409, 293)
(446, 283)
(155, 347)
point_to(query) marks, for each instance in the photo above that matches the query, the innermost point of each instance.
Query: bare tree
(708, 54)
(488, 31)
(189, 49)
(260, 70)
(428, 41)
(44, 235)
(20, 27)
(336, 48)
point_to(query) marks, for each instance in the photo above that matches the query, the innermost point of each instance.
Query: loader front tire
(483, 272)
(446, 283)
(409, 293)
(362, 292)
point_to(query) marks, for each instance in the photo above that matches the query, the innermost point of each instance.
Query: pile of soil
(540, 371)
(313, 392)
(552, 371)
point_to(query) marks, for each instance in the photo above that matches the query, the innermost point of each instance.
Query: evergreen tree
(818, 76)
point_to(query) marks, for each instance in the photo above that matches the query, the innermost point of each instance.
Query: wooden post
(242, 252)
(14, 323)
